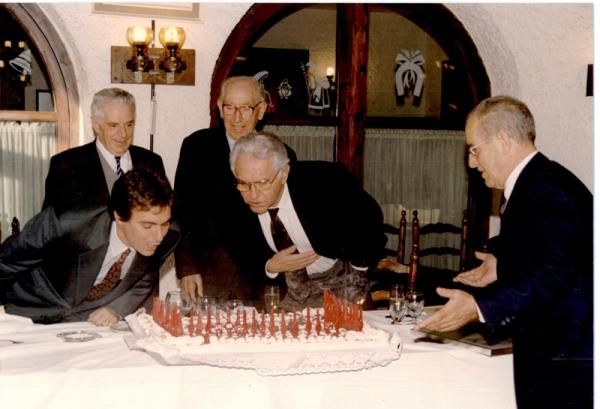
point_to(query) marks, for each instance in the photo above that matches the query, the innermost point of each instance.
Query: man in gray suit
(96, 264)
(84, 175)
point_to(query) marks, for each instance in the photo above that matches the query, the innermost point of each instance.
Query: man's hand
(103, 317)
(480, 276)
(458, 311)
(192, 286)
(286, 260)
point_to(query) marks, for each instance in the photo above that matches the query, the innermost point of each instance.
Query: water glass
(177, 300)
(271, 298)
(397, 309)
(415, 302)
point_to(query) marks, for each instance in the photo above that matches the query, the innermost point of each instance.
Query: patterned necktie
(110, 281)
(280, 235)
(297, 281)
(119, 170)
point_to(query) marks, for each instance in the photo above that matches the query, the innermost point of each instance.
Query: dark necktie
(297, 281)
(119, 170)
(280, 235)
(110, 280)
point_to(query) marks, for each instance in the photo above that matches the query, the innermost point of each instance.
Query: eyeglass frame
(259, 185)
(237, 108)
(473, 149)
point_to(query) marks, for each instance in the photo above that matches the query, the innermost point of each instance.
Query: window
(38, 106)
(350, 55)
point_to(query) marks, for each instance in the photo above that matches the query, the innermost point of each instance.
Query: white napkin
(12, 323)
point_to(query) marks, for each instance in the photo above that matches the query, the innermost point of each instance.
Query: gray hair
(106, 95)
(259, 90)
(504, 113)
(261, 145)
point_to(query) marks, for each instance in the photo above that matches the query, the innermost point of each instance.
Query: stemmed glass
(180, 301)
(397, 303)
(271, 298)
(415, 302)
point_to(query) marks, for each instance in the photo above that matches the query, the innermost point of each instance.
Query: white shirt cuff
(481, 318)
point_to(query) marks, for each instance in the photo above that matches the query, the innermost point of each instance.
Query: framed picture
(157, 9)
(43, 100)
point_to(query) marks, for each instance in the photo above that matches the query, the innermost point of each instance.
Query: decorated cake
(324, 339)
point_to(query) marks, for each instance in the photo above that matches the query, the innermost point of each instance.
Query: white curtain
(411, 169)
(309, 142)
(418, 169)
(25, 152)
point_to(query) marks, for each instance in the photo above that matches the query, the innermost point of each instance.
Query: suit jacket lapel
(89, 262)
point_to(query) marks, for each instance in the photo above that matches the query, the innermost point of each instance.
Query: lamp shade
(139, 35)
(171, 36)
(22, 63)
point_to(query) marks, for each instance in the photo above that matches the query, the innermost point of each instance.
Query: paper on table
(12, 323)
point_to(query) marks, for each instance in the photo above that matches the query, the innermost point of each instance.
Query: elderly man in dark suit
(315, 225)
(538, 277)
(206, 198)
(83, 176)
(93, 264)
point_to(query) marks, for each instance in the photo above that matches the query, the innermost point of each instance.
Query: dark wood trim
(352, 85)
(59, 68)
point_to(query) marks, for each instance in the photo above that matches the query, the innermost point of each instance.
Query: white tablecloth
(46, 372)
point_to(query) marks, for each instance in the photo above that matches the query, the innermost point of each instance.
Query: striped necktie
(119, 170)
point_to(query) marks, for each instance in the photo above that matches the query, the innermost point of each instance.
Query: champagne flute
(271, 298)
(397, 303)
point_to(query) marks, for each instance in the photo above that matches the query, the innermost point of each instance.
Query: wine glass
(415, 302)
(397, 303)
(271, 298)
(233, 305)
(180, 301)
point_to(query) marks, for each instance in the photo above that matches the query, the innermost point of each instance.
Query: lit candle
(8, 43)
(21, 44)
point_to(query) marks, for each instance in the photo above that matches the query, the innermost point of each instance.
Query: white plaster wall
(535, 52)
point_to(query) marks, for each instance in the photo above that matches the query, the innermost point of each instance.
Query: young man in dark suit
(538, 277)
(333, 228)
(94, 264)
(205, 197)
(83, 176)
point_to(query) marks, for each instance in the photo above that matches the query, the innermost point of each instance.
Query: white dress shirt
(288, 216)
(115, 248)
(126, 163)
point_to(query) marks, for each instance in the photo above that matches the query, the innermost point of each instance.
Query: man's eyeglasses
(260, 185)
(245, 111)
(473, 149)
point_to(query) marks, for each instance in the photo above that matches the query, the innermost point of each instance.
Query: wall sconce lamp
(137, 64)
(139, 38)
(172, 39)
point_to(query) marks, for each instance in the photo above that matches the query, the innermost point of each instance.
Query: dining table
(39, 368)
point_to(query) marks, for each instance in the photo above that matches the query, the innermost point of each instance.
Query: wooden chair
(418, 276)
